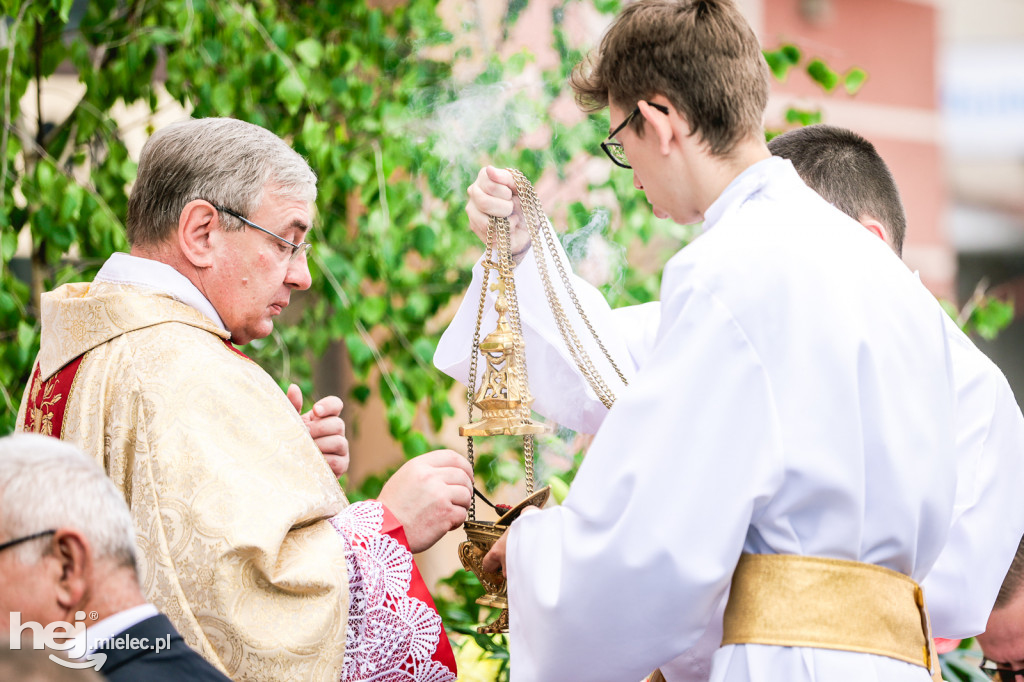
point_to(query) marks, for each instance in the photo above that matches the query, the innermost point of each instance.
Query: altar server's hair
(700, 54)
(1014, 579)
(47, 484)
(221, 160)
(848, 172)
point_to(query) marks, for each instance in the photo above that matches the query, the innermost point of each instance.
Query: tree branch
(8, 74)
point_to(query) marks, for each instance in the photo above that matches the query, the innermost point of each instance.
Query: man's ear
(196, 232)
(74, 558)
(876, 228)
(660, 123)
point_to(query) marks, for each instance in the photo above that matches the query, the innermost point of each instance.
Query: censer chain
(471, 385)
(537, 224)
(505, 265)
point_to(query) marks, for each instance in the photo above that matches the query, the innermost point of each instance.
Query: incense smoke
(481, 125)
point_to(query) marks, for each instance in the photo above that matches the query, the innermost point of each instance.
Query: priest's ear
(198, 233)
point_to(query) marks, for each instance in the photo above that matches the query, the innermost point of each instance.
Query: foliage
(983, 315)
(962, 664)
(786, 57)
(783, 59)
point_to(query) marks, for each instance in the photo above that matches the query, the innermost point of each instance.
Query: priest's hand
(494, 193)
(494, 560)
(327, 428)
(430, 496)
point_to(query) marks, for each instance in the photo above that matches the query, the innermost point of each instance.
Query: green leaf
(65, 10)
(803, 117)
(424, 349)
(780, 61)
(559, 489)
(45, 177)
(162, 35)
(371, 309)
(360, 170)
(990, 317)
(361, 392)
(824, 76)
(26, 335)
(310, 51)
(423, 239)
(8, 245)
(290, 90)
(854, 79)
(358, 350)
(419, 305)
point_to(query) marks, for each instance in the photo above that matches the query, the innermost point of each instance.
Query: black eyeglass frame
(998, 673)
(610, 144)
(304, 247)
(17, 541)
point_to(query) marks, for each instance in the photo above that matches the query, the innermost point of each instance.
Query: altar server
(788, 426)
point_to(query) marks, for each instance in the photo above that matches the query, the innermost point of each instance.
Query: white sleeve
(657, 516)
(989, 517)
(560, 391)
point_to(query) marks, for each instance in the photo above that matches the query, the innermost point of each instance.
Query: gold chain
(471, 385)
(505, 266)
(538, 225)
(498, 256)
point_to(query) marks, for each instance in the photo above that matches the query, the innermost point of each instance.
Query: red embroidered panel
(418, 589)
(47, 400)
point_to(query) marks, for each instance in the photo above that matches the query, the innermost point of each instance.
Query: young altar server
(788, 427)
(988, 517)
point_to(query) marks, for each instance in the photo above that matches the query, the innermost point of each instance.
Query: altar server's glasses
(1000, 674)
(18, 541)
(304, 247)
(613, 148)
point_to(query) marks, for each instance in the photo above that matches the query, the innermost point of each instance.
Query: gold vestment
(229, 494)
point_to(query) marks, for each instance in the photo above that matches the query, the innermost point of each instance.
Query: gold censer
(503, 396)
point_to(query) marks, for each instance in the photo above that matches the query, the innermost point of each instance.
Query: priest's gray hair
(221, 160)
(48, 484)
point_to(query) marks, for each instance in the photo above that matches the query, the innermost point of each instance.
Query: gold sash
(789, 600)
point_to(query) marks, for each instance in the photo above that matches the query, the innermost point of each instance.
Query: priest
(245, 538)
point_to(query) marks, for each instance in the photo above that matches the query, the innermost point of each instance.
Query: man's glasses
(18, 541)
(614, 149)
(994, 672)
(304, 247)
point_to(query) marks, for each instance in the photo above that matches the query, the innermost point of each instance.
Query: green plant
(782, 60)
(961, 664)
(983, 315)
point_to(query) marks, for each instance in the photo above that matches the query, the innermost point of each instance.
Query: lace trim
(391, 636)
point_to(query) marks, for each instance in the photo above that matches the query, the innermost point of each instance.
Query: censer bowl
(480, 537)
